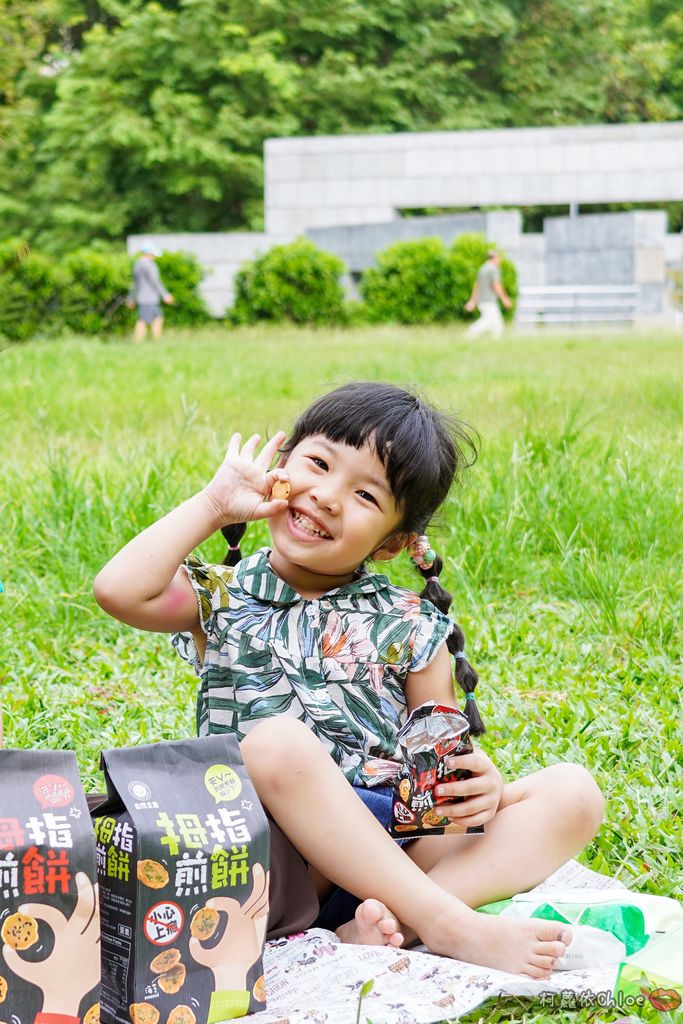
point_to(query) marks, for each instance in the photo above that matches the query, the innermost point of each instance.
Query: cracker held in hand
(280, 490)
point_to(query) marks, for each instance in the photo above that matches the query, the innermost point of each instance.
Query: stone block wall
(611, 248)
(364, 179)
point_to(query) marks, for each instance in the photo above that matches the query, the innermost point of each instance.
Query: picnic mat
(312, 978)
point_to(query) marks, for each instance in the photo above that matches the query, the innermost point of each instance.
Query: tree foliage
(130, 116)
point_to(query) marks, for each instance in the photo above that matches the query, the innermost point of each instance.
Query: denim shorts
(149, 312)
(340, 905)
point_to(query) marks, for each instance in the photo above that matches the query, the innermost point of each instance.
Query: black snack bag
(49, 920)
(182, 858)
(432, 733)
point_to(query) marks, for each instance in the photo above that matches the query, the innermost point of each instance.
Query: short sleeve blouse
(338, 662)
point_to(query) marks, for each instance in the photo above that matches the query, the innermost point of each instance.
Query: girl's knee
(577, 797)
(278, 749)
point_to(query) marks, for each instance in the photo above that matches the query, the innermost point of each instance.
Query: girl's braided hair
(424, 452)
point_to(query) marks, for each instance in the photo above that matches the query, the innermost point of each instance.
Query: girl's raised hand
(240, 490)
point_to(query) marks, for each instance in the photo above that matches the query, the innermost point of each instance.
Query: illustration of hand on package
(50, 930)
(239, 948)
(182, 856)
(76, 950)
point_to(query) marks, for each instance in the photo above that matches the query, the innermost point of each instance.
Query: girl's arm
(484, 790)
(434, 682)
(144, 585)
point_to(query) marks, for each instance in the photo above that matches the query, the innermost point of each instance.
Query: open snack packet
(433, 733)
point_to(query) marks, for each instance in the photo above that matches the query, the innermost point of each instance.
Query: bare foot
(529, 946)
(373, 925)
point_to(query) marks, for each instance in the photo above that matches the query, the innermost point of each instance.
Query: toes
(387, 925)
(545, 963)
(538, 973)
(396, 939)
(549, 934)
(555, 950)
(370, 912)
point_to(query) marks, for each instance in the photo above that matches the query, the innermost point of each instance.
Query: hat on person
(151, 248)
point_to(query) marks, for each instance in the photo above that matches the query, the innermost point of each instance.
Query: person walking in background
(147, 293)
(487, 290)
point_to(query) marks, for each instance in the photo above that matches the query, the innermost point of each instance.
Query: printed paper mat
(314, 979)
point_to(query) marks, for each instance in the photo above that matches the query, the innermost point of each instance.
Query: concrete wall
(611, 248)
(363, 179)
(221, 254)
(357, 244)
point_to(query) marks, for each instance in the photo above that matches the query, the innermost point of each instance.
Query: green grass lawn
(563, 546)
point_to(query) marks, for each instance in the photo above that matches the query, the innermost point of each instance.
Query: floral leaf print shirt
(338, 662)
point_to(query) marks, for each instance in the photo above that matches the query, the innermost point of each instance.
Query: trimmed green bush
(296, 282)
(412, 283)
(30, 287)
(87, 292)
(425, 282)
(93, 300)
(182, 275)
(468, 252)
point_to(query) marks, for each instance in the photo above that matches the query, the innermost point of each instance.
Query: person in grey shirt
(488, 289)
(147, 293)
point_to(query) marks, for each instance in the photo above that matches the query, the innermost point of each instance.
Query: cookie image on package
(404, 789)
(433, 818)
(173, 980)
(143, 1013)
(204, 923)
(152, 874)
(181, 1015)
(165, 961)
(3, 990)
(20, 931)
(259, 990)
(92, 1015)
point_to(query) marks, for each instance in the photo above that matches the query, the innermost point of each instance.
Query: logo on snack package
(142, 795)
(222, 782)
(53, 791)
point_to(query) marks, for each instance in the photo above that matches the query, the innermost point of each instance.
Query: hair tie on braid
(421, 554)
(233, 534)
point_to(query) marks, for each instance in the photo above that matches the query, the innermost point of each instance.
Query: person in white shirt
(487, 290)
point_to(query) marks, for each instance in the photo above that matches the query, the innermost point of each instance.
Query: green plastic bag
(654, 973)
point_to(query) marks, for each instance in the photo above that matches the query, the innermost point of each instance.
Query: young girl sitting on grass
(314, 664)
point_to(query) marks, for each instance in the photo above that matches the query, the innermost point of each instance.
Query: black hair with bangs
(421, 448)
(423, 451)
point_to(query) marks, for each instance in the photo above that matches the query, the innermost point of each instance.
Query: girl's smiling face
(341, 510)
